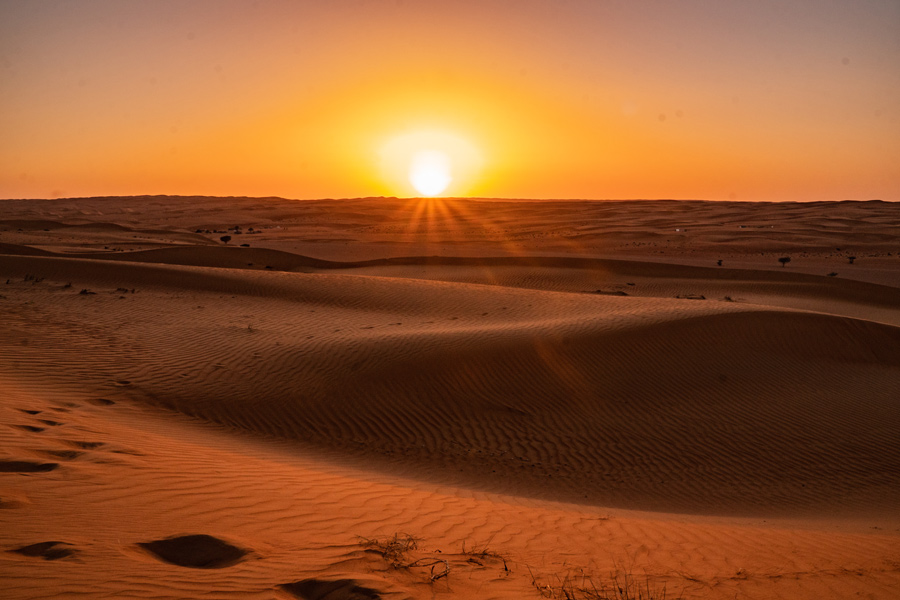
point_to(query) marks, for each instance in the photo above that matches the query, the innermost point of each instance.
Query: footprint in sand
(339, 589)
(128, 452)
(195, 551)
(85, 445)
(29, 428)
(25, 466)
(63, 454)
(7, 503)
(46, 550)
(101, 402)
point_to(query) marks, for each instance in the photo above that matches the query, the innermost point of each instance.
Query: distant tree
(784, 260)
(719, 262)
(225, 238)
(852, 258)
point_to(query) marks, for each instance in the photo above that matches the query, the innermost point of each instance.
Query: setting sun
(429, 162)
(430, 172)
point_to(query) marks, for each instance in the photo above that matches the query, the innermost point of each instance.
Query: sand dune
(570, 274)
(182, 420)
(545, 384)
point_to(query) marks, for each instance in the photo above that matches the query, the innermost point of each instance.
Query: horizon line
(426, 198)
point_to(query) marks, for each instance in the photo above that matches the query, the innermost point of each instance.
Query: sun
(429, 163)
(430, 172)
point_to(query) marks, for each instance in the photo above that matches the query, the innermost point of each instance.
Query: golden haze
(580, 100)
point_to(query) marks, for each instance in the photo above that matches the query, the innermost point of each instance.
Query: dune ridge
(546, 385)
(857, 299)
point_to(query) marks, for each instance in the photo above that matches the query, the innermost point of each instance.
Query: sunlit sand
(442, 398)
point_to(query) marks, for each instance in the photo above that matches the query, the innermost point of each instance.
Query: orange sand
(542, 394)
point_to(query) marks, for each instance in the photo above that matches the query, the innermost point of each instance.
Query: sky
(594, 99)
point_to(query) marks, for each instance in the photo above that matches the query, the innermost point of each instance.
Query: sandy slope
(134, 477)
(498, 409)
(539, 384)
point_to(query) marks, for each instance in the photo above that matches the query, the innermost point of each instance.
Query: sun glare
(429, 163)
(429, 172)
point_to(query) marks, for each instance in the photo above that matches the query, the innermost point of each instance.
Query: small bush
(622, 586)
(394, 549)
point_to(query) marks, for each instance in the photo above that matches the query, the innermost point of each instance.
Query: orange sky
(788, 100)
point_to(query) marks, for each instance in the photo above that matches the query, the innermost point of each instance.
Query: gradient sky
(762, 100)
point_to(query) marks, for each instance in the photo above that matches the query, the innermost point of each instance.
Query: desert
(236, 397)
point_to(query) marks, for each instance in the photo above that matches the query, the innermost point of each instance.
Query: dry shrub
(622, 585)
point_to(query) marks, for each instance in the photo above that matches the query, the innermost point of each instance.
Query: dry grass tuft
(396, 549)
(622, 586)
(479, 554)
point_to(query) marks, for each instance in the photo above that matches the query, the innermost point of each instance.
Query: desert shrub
(396, 551)
(621, 586)
(393, 549)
